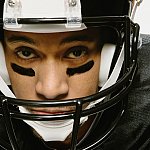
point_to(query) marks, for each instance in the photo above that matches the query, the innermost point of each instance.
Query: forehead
(86, 34)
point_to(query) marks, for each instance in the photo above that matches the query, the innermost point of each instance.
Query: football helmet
(118, 66)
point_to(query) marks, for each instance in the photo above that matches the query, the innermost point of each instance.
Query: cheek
(87, 83)
(22, 86)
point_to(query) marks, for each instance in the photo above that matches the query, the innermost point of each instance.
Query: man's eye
(25, 53)
(76, 52)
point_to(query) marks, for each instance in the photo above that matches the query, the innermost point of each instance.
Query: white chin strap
(53, 130)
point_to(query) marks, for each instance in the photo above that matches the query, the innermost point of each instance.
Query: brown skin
(50, 56)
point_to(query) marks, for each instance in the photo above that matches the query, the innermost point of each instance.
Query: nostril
(42, 97)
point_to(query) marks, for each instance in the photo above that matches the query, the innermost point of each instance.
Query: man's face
(49, 66)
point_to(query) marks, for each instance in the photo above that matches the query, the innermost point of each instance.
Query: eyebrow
(14, 39)
(77, 38)
(69, 39)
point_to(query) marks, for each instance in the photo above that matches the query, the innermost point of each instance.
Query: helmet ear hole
(107, 54)
(3, 69)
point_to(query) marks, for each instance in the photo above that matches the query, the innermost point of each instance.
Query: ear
(107, 54)
(3, 69)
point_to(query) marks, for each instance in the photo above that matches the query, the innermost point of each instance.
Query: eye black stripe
(81, 69)
(23, 71)
(70, 71)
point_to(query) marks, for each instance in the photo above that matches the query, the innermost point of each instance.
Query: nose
(51, 81)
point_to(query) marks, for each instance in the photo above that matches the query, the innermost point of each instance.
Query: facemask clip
(12, 11)
(73, 13)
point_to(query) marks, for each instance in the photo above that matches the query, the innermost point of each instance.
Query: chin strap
(52, 130)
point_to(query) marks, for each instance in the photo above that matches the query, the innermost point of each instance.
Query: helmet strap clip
(73, 13)
(12, 11)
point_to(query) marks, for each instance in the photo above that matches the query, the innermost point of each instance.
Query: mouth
(49, 111)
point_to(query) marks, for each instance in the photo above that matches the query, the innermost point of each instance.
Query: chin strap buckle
(73, 13)
(12, 11)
